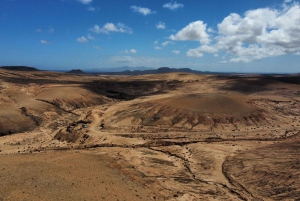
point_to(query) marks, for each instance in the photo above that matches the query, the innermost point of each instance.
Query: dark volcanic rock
(76, 71)
(19, 68)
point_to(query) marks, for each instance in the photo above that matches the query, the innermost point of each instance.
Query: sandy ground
(152, 137)
(68, 175)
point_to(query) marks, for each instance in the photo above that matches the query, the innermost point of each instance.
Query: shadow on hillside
(128, 90)
(121, 90)
(246, 85)
(27, 80)
(290, 79)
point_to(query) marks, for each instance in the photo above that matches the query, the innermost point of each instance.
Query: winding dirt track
(219, 177)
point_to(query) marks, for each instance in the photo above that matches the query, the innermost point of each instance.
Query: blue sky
(215, 35)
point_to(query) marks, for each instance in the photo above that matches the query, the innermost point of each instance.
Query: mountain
(120, 69)
(153, 71)
(167, 70)
(20, 68)
(76, 71)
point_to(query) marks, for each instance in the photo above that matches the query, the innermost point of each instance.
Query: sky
(207, 35)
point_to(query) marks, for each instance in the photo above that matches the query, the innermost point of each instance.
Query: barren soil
(170, 136)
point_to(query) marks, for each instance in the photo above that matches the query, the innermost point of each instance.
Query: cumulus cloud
(141, 61)
(82, 39)
(210, 30)
(45, 42)
(97, 47)
(90, 37)
(194, 53)
(259, 33)
(155, 45)
(173, 5)
(176, 52)
(111, 27)
(85, 1)
(141, 10)
(91, 8)
(164, 44)
(193, 31)
(198, 52)
(161, 25)
(51, 30)
(97, 29)
(122, 59)
(133, 51)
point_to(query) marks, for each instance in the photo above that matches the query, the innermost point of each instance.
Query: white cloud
(97, 47)
(216, 55)
(85, 1)
(173, 5)
(91, 8)
(82, 39)
(194, 53)
(161, 25)
(207, 48)
(198, 52)
(133, 51)
(111, 27)
(193, 31)
(122, 59)
(155, 45)
(39, 30)
(45, 42)
(51, 30)
(164, 44)
(176, 52)
(239, 59)
(259, 33)
(140, 61)
(90, 37)
(141, 10)
(96, 29)
(210, 30)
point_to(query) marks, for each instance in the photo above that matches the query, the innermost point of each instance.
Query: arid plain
(174, 136)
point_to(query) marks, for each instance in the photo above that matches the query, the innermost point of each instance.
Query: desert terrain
(171, 136)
